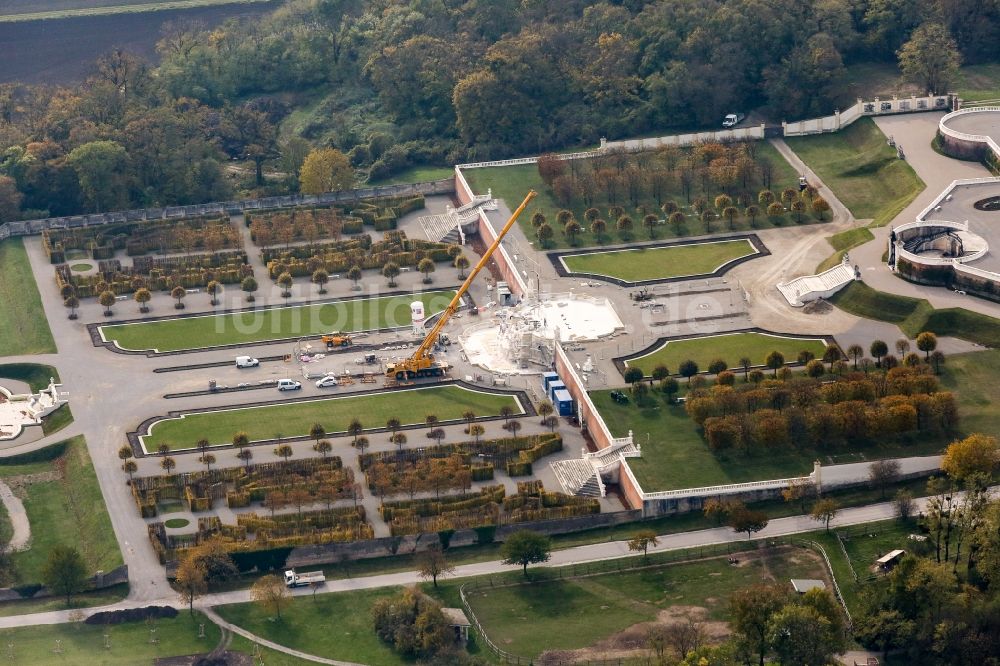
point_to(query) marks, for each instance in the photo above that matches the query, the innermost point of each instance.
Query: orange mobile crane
(422, 363)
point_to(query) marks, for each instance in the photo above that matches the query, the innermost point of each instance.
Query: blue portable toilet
(548, 378)
(557, 385)
(563, 402)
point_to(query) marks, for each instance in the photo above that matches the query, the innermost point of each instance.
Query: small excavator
(422, 363)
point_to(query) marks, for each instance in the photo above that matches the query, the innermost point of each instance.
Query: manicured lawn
(84, 644)
(843, 243)
(512, 183)
(979, 82)
(730, 348)
(35, 375)
(67, 511)
(915, 315)
(863, 171)
(295, 419)
(972, 377)
(674, 455)
(574, 613)
(417, 174)
(274, 323)
(57, 420)
(23, 327)
(660, 262)
(176, 522)
(335, 626)
(80, 268)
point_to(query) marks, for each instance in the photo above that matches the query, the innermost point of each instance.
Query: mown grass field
(363, 314)
(861, 169)
(335, 626)
(658, 263)
(915, 315)
(69, 510)
(730, 348)
(334, 413)
(130, 645)
(23, 326)
(511, 183)
(574, 613)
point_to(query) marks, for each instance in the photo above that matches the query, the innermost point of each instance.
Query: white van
(288, 385)
(246, 362)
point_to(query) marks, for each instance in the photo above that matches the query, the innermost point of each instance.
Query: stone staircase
(447, 227)
(807, 288)
(577, 477)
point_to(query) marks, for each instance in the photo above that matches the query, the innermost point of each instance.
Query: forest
(396, 83)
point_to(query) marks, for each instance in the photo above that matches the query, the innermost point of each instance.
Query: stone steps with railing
(577, 477)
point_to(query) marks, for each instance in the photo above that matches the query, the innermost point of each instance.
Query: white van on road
(246, 362)
(289, 385)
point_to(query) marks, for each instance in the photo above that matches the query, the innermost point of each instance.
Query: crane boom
(420, 360)
(428, 342)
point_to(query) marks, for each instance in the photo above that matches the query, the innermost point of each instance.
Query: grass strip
(274, 323)
(657, 263)
(842, 243)
(730, 348)
(914, 315)
(293, 419)
(23, 326)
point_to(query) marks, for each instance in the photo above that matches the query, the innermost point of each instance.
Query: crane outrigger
(422, 363)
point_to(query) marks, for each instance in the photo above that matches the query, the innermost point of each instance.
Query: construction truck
(293, 579)
(422, 363)
(336, 339)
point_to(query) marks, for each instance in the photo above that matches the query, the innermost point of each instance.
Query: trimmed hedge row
(193, 272)
(210, 233)
(341, 256)
(292, 225)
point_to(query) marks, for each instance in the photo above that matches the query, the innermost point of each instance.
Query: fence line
(833, 578)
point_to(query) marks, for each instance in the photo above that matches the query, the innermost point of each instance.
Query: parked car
(289, 385)
(246, 362)
(733, 119)
(326, 382)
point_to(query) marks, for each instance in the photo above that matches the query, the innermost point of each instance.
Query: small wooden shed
(457, 620)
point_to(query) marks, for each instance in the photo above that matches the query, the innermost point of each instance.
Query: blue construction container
(548, 378)
(557, 385)
(563, 403)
